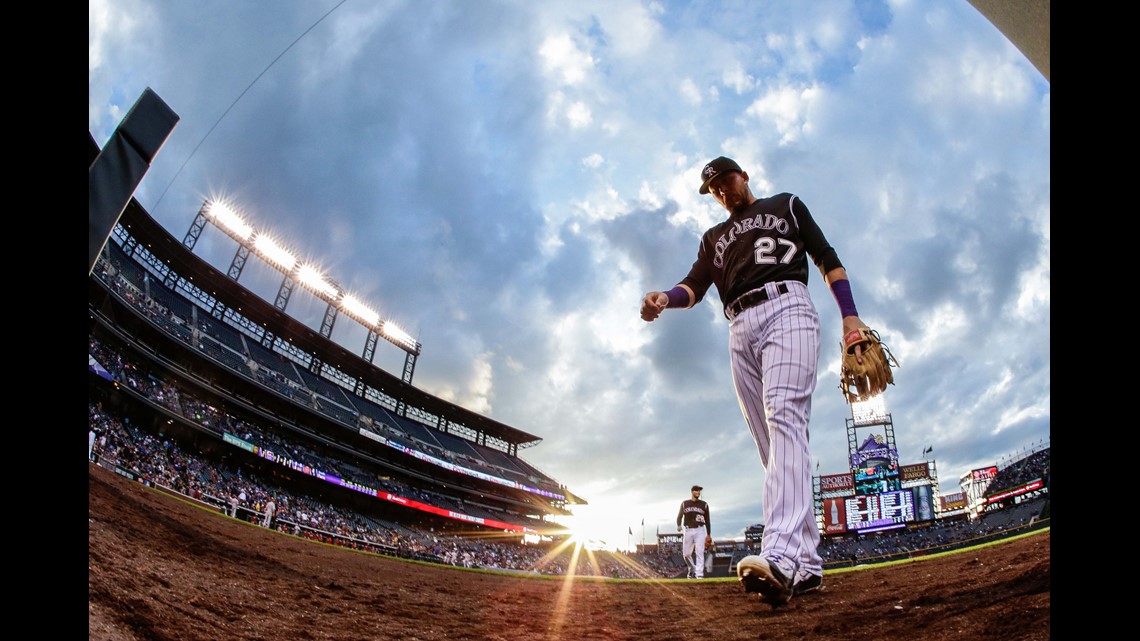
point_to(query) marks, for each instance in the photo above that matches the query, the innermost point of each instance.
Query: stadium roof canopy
(1025, 23)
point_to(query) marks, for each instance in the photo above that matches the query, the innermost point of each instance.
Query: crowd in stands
(1033, 467)
(160, 461)
(154, 386)
(936, 537)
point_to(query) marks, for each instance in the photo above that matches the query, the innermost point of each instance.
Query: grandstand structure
(155, 304)
(1022, 478)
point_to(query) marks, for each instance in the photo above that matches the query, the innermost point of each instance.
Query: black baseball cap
(715, 168)
(696, 488)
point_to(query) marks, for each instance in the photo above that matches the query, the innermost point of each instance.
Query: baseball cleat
(806, 582)
(758, 574)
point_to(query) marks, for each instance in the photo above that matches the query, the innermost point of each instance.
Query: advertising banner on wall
(835, 515)
(955, 501)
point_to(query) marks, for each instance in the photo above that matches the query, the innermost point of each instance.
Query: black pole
(119, 167)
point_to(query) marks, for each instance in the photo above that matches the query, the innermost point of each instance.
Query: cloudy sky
(505, 179)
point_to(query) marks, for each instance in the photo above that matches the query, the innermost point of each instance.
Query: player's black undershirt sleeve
(822, 253)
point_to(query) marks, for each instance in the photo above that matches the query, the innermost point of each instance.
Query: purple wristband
(841, 289)
(678, 297)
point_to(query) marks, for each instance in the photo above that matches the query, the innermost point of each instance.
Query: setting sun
(595, 527)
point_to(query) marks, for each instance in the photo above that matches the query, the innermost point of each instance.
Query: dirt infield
(161, 568)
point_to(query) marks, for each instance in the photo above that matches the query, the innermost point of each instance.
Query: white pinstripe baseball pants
(774, 350)
(693, 549)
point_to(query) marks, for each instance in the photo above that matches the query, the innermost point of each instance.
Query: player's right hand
(652, 305)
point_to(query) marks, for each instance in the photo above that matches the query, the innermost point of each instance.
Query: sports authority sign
(836, 483)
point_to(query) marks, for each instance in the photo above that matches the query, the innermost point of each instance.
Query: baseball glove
(866, 380)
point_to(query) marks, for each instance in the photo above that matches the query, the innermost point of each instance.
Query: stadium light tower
(260, 243)
(869, 414)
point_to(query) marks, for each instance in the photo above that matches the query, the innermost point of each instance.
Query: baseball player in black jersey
(757, 259)
(695, 521)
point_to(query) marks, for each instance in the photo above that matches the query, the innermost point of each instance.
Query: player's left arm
(832, 278)
(827, 260)
(840, 287)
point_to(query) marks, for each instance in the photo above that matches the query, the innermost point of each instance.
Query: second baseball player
(695, 521)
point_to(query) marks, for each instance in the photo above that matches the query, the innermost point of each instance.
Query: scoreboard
(873, 512)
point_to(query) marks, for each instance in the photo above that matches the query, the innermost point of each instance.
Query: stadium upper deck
(150, 287)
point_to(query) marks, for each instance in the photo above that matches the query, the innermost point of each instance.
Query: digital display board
(1035, 484)
(984, 474)
(879, 511)
(923, 502)
(877, 475)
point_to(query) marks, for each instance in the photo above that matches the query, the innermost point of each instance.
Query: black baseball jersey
(764, 242)
(695, 513)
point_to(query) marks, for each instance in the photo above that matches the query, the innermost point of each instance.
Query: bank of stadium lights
(274, 253)
(393, 332)
(315, 280)
(364, 314)
(359, 310)
(222, 215)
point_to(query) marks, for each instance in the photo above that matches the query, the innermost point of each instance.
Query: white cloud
(109, 24)
(738, 79)
(578, 115)
(561, 57)
(690, 92)
(785, 108)
(481, 386)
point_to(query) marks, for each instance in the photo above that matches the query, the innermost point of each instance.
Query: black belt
(751, 299)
